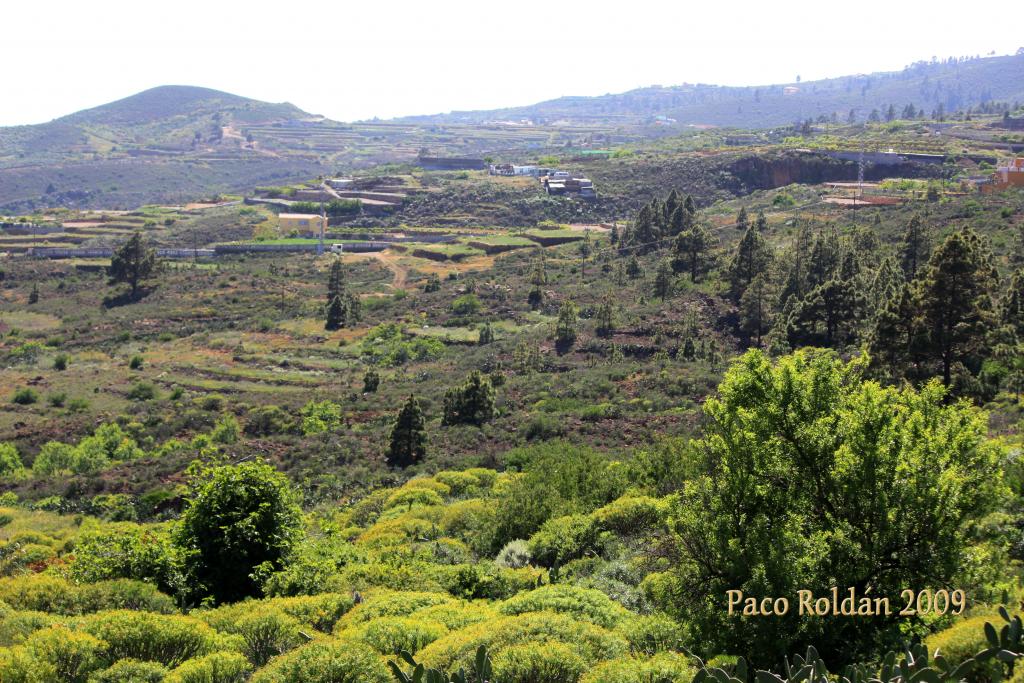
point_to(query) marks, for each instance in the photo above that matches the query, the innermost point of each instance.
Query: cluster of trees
(922, 312)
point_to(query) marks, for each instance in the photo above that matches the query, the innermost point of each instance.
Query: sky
(357, 60)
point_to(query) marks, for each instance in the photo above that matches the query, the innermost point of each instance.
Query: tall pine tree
(752, 257)
(408, 436)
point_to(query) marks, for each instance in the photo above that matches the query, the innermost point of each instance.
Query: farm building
(302, 222)
(1008, 174)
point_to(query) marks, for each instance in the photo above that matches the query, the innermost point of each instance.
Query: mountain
(954, 84)
(164, 144)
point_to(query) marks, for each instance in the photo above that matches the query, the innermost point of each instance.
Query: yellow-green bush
(366, 510)
(562, 539)
(458, 483)
(456, 615)
(391, 635)
(48, 593)
(664, 667)
(538, 663)
(651, 633)
(485, 477)
(587, 640)
(386, 603)
(582, 603)
(964, 640)
(70, 656)
(319, 611)
(219, 667)
(16, 625)
(631, 515)
(334, 661)
(431, 483)
(15, 556)
(131, 671)
(408, 497)
(168, 639)
(267, 631)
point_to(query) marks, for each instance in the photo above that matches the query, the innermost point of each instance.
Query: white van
(338, 248)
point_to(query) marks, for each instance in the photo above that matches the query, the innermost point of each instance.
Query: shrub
(960, 642)
(10, 461)
(631, 515)
(168, 639)
(458, 648)
(515, 555)
(218, 667)
(665, 667)
(16, 626)
(136, 362)
(335, 661)
(60, 362)
(41, 593)
(142, 391)
(54, 457)
(467, 304)
(70, 656)
(126, 552)
(238, 518)
(408, 497)
(25, 396)
(319, 611)
(268, 420)
(581, 603)
(562, 539)
(320, 417)
(266, 631)
(472, 403)
(538, 663)
(57, 399)
(651, 633)
(458, 483)
(392, 604)
(131, 671)
(391, 635)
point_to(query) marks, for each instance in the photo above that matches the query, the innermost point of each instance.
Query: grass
(29, 321)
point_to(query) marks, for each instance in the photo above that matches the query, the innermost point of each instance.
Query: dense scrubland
(293, 468)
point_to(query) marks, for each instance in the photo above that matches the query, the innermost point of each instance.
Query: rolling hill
(954, 84)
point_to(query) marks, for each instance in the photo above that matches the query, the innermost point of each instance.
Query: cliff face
(768, 172)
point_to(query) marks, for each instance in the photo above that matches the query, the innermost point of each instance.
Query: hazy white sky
(353, 60)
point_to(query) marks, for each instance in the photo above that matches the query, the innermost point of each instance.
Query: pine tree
(914, 248)
(633, 268)
(337, 300)
(756, 314)
(605, 318)
(371, 381)
(888, 281)
(1011, 307)
(408, 436)
(761, 223)
(693, 252)
(486, 335)
(672, 203)
(897, 338)
(742, 221)
(132, 263)
(824, 259)
(827, 316)
(33, 296)
(535, 298)
(620, 274)
(1017, 253)
(752, 257)
(565, 329)
(472, 403)
(955, 292)
(663, 280)
(613, 236)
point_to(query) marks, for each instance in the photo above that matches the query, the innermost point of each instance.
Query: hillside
(953, 84)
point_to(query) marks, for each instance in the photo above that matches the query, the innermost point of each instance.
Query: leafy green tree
(693, 252)
(814, 478)
(956, 301)
(914, 248)
(566, 327)
(240, 522)
(408, 435)
(752, 257)
(132, 263)
(10, 461)
(472, 403)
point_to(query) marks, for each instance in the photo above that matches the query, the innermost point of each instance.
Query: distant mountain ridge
(926, 85)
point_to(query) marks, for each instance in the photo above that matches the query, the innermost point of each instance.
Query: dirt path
(390, 261)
